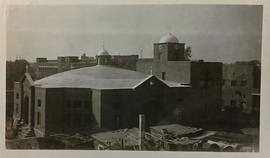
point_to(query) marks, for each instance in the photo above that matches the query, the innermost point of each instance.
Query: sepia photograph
(157, 77)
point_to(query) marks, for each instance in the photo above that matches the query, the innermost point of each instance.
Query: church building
(100, 96)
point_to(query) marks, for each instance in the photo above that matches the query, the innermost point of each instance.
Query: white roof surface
(103, 52)
(98, 77)
(168, 38)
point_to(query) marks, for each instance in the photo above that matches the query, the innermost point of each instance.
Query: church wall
(77, 108)
(152, 98)
(68, 109)
(17, 100)
(40, 111)
(27, 95)
(54, 110)
(116, 108)
(206, 82)
(96, 107)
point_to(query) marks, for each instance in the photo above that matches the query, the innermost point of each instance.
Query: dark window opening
(243, 83)
(163, 75)
(39, 103)
(17, 95)
(38, 118)
(159, 56)
(17, 108)
(223, 82)
(234, 83)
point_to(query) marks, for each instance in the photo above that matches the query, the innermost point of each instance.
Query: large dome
(103, 52)
(168, 38)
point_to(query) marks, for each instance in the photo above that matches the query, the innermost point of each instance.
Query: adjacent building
(44, 67)
(241, 87)
(171, 62)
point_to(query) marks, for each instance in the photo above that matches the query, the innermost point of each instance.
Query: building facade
(171, 62)
(241, 87)
(100, 96)
(44, 67)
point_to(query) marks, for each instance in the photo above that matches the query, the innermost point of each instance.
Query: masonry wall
(116, 108)
(120, 108)
(206, 82)
(68, 109)
(40, 112)
(27, 102)
(178, 71)
(17, 97)
(96, 107)
(238, 73)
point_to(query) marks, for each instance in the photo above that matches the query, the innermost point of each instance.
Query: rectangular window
(38, 118)
(223, 82)
(243, 83)
(17, 95)
(163, 75)
(39, 103)
(234, 83)
(17, 108)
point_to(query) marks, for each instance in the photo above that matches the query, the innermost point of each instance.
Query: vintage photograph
(158, 77)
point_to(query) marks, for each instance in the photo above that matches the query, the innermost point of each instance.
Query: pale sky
(224, 33)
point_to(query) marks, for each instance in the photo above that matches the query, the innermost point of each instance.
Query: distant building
(123, 61)
(171, 62)
(241, 87)
(43, 67)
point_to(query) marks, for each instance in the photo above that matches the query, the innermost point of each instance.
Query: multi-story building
(241, 87)
(43, 67)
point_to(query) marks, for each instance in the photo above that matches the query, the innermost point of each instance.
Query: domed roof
(103, 52)
(168, 38)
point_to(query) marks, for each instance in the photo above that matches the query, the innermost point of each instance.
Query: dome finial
(170, 29)
(103, 45)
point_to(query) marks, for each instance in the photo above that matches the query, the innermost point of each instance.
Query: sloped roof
(176, 129)
(112, 138)
(28, 77)
(98, 77)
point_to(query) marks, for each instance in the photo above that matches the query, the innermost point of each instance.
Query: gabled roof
(114, 138)
(176, 129)
(97, 77)
(28, 77)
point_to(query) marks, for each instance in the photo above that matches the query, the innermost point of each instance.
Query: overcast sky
(215, 33)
